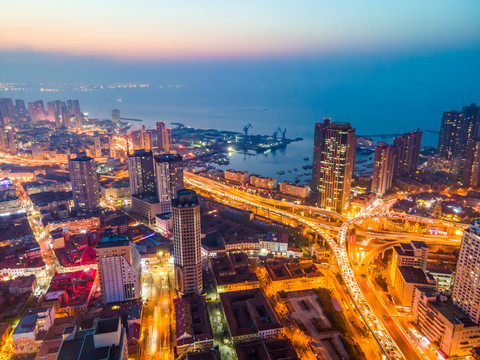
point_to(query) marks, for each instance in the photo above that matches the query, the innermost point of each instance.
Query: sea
(265, 113)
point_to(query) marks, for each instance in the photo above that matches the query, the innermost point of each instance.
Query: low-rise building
(295, 190)
(294, 276)
(15, 230)
(263, 182)
(441, 322)
(19, 285)
(409, 278)
(164, 222)
(240, 177)
(250, 316)
(442, 275)
(414, 254)
(147, 206)
(75, 225)
(193, 330)
(30, 331)
(232, 273)
(107, 340)
(267, 349)
(275, 243)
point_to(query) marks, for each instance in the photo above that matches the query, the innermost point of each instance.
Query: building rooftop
(112, 240)
(416, 275)
(168, 158)
(193, 323)
(291, 270)
(150, 198)
(248, 312)
(48, 197)
(185, 198)
(271, 349)
(232, 269)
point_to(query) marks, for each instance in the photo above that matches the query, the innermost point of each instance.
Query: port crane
(246, 127)
(275, 133)
(283, 133)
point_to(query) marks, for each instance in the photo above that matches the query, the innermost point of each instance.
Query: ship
(306, 159)
(280, 172)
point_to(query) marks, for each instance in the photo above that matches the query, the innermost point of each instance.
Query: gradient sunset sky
(159, 30)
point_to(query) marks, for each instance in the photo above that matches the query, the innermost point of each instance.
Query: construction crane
(432, 131)
(246, 127)
(283, 133)
(130, 119)
(275, 133)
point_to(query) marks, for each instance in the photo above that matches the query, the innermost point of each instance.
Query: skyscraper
(408, 149)
(119, 269)
(169, 178)
(471, 173)
(383, 168)
(85, 186)
(466, 289)
(112, 146)
(7, 109)
(53, 109)
(115, 116)
(164, 138)
(457, 131)
(65, 115)
(186, 241)
(97, 146)
(141, 172)
(36, 110)
(333, 164)
(74, 110)
(20, 111)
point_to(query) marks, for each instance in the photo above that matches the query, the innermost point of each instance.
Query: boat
(297, 181)
(280, 172)
(295, 169)
(289, 171)
(306, 159)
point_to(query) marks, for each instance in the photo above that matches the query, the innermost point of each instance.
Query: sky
(382, 65)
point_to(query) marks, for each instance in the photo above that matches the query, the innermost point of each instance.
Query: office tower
(12, 141)
(471, 173)
(7, 110)
(466, 289)
(85, 186)
(186, 242)
(383, 168)
(53, 109)
(457, 131)
(74, 110)
(408, 149)
(169, 178)
(112, 145)
(115, 116)
(148, 141)
(119, 269)
(164, 138)
(3, 138)
(97, 146)
(333, 164)
(36, 110)
(141, 172)
(20, 111)
(65, 116)
(141, 134)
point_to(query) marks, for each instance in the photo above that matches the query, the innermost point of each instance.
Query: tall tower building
(408, 149)
(36, 110)
(457, 131)
(148, 141)
(141, 134)
(141, 172)
(164, 138)
(7, 109)
(65, 116)
(383, 168)
(74, 110)
(333, 164)
(112, 146)
(119, 269)
(186, 241)
(466, 289)
(20, 111)
(12, 141)
(115, 116)
(97, 146)
(169, 177)
(53, 109)
(85, 186)
(471, 173)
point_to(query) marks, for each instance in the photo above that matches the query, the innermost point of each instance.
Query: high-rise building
(3, 138)
(20, 111)
(333, 164)
(466, 289)
(97, 146)
(471, 173)
(413, 255)
(65, 116)
(141, 134)
(85, 186)
(169, 178)
(53, 109)
(119, 269)
(115, 116)
(457, 131)
(141, 172)
(164, 138)
(112, 146)
(74, 110)
(383, 168)
(186, 241)
(12, 141)
(408, 149)
(36, 110)
(148, 141)
(7, 109)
